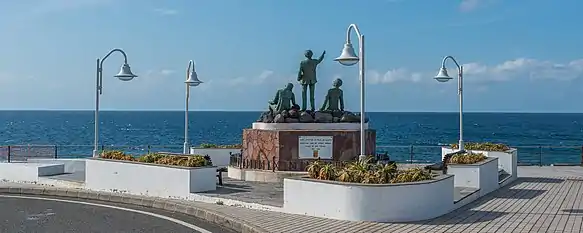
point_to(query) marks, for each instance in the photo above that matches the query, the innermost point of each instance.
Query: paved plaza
(547, 199)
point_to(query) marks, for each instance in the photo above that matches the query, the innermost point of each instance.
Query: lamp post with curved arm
(348, 58)
(443, 76)
(191, 81)
(125, 74)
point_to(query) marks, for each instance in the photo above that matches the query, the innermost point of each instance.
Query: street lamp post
(125, 74)
(191, 81)
(443, 76)
(349, 58)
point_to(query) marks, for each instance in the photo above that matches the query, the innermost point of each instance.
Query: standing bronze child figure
(307, 77)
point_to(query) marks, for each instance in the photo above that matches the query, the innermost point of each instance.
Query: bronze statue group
(283, 107)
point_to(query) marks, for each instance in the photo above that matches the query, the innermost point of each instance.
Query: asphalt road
(27, 214)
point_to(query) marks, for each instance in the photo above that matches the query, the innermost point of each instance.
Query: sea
(541, 138)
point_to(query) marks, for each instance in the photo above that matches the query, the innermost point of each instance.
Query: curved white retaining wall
(369, 202)
(308, 126)
(148, 179)
(507, 161)
(261, 175)
(482, 175)
(71, 165)
(28, 172)
(219, 156)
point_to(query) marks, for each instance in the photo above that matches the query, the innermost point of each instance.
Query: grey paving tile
(547, 199)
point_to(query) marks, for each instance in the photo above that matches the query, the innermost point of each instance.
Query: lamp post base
(185, 149)
(95, 153)
(361, 157)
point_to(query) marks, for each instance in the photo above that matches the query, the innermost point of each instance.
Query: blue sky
(518, 56)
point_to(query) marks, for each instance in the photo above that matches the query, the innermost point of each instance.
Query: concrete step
(460, 193)
(61, 183)
(72, 180)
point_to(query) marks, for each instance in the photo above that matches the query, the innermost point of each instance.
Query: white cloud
(165, 11)
(476, 23)
(167, 72)
(394, 75)
(520, 68)
(525, 68)
(256, 80)
(469, 5)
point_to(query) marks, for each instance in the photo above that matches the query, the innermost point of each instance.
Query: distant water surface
(557, 136)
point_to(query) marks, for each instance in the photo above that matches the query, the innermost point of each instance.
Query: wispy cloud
(167, 72)
(471, 5)
(257, 80)
(165, 11)
(519, 68)
(481, 22)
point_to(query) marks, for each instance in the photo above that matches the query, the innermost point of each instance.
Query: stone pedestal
(279, 143)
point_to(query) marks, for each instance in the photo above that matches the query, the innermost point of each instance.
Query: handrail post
(581, 156)
(273, 162)
(540, 155)
(9, 152)
(411, 154)
(56, 152)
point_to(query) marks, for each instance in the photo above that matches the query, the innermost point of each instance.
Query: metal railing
(539, 155)
(528, 155)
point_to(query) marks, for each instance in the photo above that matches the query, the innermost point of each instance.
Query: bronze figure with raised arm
(307, 77)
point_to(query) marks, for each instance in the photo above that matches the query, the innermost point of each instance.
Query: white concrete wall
(219, 156)
(507, 161)
(483, 175)
(71, 165)
(28, 172)
(148, 179)
(260, 175)
(366, 202)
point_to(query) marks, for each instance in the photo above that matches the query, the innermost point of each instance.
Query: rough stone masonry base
(158, 203)
(281, 146)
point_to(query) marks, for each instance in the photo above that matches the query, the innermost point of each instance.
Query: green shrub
(214, 146)
(366, 173)
(184, 161)
(412, 175)
(174, 160)
(151, 158)
(467, 158)
(486, 146)
(116, 154)
(207, 145)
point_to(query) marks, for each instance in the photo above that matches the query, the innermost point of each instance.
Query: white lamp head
(193, 79)
(442, 76)
(348, 56)
(125, 73)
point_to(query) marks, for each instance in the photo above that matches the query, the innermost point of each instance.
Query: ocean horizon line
(258, 111)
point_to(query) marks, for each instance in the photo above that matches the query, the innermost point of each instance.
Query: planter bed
(482, 175)
(507, 160)
(148, 178)
(221, 157)
(400, 202)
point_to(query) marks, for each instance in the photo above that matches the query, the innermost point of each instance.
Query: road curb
(208, 215)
